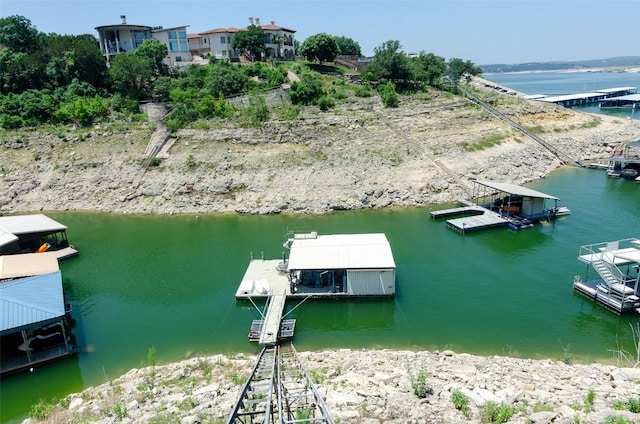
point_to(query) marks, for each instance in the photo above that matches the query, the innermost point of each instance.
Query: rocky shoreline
(358, 156)
(374, 386)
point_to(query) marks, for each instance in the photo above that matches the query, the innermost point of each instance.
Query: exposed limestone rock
(370, 387)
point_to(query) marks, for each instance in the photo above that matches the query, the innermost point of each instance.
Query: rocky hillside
(357, 155)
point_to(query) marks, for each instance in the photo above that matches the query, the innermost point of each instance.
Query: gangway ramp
(272, 320)
(279, 390)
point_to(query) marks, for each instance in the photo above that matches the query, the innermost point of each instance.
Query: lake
(559, 83)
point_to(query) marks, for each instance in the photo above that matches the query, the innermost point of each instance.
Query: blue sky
(485, 32)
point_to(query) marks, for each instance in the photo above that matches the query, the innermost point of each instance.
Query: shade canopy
(516, 190)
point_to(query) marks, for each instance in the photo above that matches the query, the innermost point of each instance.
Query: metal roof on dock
(516, 190)
(341, 251)
(25, 224)
(26, 301)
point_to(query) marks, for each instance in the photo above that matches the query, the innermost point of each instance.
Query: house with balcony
(279, 42)
(124, 37)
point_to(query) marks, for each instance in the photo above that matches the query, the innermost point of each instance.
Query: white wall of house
(219, 44)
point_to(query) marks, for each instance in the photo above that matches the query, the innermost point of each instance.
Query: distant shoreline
(633, 69)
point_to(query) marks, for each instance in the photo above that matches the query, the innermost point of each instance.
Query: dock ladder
(279, 390)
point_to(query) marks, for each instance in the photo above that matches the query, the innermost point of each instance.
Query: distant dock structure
(498, 204)
(606, 96)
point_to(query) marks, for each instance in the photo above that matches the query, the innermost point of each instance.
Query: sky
(484, 32)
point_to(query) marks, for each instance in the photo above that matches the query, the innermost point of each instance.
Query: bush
(325, 103)
(388, 95)
(494, 413)
(307, 91)
(363, 91)
(419, 383)
(257, 112)
(461, 402)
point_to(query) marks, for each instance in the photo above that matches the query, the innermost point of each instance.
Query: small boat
(629, 173)
(560, 211)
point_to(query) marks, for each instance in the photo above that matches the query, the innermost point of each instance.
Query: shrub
(363, 91)
(325, 103)
(419, 383)
(461, 402)
(494, 413)
(306, 91)
(388, 95)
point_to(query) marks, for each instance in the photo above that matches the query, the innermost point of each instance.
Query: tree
(129, 74)
(389, 63)
(17, 34)
(428, 68)
(320, 47)
(457, 68)
(250, 41)
(348, 46)
(156, 51)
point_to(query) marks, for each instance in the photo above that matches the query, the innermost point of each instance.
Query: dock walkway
(478, 217)
(457, 211)
(476, 222)
(273, 317)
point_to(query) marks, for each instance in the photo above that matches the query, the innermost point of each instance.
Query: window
(229, 39)
(223, 40)
(184, 46)
(224, 53)
(178, 58)
(172, 35)
(182, 35)
(173, 46)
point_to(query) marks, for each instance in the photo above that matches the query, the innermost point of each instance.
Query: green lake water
(169, 282)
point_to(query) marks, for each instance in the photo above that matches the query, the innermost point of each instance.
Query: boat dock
(488, 219)
(497, 204)
(581, 99)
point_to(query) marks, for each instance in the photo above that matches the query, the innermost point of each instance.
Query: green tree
(130, 74)
(225, 78)
(156, 52)
(320, 47)
(457, 68)
(17, 34)
(428, 68)
(250, 42)
(389, 63)
(348, 46)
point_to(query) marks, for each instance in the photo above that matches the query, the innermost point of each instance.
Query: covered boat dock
(318, 266)
(34, 233)
(497, 204)
(581, 99)
(33, 328)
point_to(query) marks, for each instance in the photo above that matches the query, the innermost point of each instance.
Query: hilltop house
(123, 37)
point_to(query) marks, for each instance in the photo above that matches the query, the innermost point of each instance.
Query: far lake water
(560, 83)
(169, 282)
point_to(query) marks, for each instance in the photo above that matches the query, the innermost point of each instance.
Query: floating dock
(488, 219)
(500, 204)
